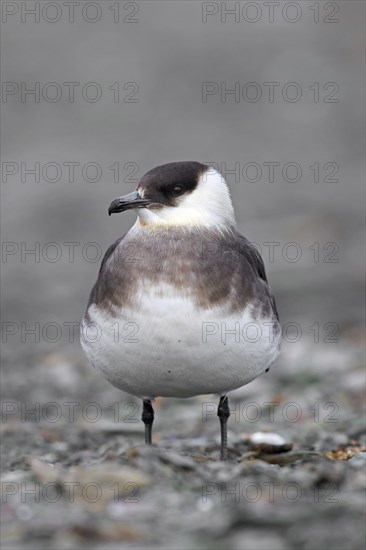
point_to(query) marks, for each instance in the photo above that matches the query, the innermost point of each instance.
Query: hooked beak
(128, 202)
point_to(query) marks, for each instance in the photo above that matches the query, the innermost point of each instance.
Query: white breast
(167, 347)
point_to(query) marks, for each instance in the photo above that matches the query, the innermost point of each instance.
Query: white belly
(168, 348)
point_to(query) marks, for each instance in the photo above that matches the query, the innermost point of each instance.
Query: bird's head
(187, 194)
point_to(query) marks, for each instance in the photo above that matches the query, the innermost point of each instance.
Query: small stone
(266, 437)
(358, 460)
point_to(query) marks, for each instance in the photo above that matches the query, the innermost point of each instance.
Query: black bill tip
(128, 202)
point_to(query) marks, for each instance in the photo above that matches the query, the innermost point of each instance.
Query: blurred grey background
(167, 51)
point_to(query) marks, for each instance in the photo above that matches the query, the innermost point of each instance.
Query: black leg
(148, 419)
(223, 412)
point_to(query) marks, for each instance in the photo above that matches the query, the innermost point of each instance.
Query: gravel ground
(76, 474)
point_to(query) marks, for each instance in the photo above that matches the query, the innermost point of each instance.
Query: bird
(182, 305)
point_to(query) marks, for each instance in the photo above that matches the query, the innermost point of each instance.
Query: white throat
(208, 206)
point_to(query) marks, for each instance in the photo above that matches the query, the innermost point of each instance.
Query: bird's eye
(177, 190)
